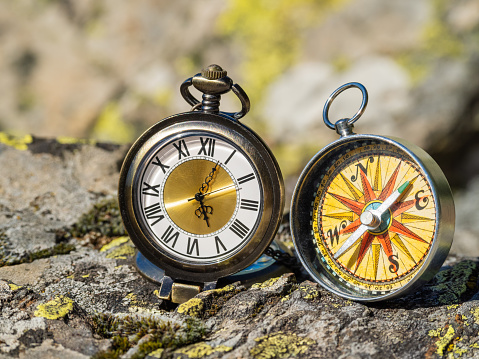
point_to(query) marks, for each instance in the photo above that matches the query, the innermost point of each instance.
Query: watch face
(199, 197)
(368, 219)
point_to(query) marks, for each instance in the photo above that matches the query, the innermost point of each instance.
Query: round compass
(200, 194)
(372, 217)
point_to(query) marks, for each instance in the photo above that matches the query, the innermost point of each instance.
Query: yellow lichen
(114, 243)
(14, 286)
(57, 308)
(280, 345)
(475, 313)
(20, 142)
(225, 289)
(309, 292)
(64, 140)
(157, 353)
(85, 276)
(192, 307)
(200, 350)
(122, 252)
(445, 341)
(131, 296)
(266, 284)
(453, 306)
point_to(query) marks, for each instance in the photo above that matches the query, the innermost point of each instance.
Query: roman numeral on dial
(192, 245)
(182, 149)
(207, 151)
(151, 190)
(158, 163)
(249, 205)
(219, 244)
(230, 157)
(246, 178)
(168, 235)
(239, 228)
(154, 212)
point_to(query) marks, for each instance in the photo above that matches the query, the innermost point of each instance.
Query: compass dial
(377, 251)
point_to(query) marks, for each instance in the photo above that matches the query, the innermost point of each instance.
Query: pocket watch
(372, 217)
(200, 194)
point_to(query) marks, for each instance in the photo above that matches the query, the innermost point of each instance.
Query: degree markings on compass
(377, 179)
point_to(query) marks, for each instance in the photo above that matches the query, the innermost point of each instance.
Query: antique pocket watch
(372, 217)
(200, 194)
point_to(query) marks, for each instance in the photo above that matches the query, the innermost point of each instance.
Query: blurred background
(107, 70)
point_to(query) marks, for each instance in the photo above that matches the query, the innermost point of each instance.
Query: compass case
(318, 263)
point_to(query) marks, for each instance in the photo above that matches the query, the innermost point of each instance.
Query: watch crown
(213, 72)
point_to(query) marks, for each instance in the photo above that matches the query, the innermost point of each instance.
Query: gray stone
(89, 300)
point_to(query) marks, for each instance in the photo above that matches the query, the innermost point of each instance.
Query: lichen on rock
(56, 308)
(280, 345)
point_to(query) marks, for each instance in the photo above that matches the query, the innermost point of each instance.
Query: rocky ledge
(68, 287)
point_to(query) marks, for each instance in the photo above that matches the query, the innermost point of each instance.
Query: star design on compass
(390, 233)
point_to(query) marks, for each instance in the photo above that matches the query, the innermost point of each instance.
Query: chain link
(284, 258)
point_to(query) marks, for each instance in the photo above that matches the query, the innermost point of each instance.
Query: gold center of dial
(200, 196)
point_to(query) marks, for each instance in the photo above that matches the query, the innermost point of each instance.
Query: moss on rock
(156, 334)
(103, 218)
(28, 257)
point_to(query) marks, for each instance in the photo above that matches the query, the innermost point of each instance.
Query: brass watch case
(222, 126)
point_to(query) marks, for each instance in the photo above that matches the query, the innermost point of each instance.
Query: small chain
(284, 258)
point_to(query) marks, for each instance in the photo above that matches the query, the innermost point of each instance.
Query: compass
(200, 194)
(372, 217)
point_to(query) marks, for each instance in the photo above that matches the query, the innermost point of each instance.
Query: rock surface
(68, 287)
